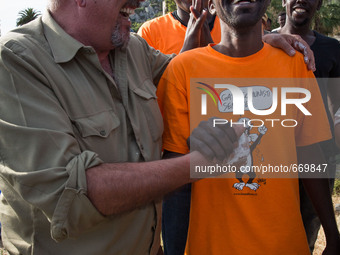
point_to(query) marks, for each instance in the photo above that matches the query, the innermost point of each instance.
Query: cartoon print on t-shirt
(254, 139)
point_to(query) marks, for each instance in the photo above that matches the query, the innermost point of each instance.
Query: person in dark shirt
(299, 16)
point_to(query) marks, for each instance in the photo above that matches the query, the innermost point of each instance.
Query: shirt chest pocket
(99, 125)
(147, 107)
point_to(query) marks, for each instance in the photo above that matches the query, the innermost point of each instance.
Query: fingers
(214, 142)
(198, 5)
(202, 19)
(302, 46)
(197, 8)
(309, 58)
(205, 38)
(198, 145)
(194, 4)
(291, 43)
(198, 13)
(303, 49)
(201, 5)
(194, 12)
(289, 49)
(281, 42)
(199, 19)
(239, 130)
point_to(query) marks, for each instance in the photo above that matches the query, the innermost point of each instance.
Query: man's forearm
(120, 187)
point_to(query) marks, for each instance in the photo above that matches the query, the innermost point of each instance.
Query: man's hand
(205, 38)
(291, 43)
(214, 142)
(197, 33)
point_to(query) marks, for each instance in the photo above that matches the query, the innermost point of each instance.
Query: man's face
(121, 32)
(107, 23)
(301, 12)
(282, 20)
(240, 13)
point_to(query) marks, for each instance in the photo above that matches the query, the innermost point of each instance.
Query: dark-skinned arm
(290, 44)
(319, 193)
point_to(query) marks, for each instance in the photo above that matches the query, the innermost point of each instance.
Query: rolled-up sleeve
(41, 160)
(74, 213)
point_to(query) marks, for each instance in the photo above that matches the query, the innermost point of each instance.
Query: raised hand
(198, 32)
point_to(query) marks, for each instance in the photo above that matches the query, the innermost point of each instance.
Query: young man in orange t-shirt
(254, 216)
(166, 33)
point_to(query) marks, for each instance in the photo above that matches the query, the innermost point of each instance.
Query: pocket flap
(100, 124)
(143, 93)
(147, 91)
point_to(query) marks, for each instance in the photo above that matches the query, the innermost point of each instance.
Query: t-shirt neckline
(260, 54)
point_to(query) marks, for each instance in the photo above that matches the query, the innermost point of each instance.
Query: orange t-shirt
(167, 34)
(265, 219)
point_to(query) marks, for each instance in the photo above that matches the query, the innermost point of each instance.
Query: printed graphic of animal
(254, 139)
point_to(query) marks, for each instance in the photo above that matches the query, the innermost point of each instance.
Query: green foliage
(328, 18)
(273, 11)
(135, 26)
(26, 16)
(170, 5)
(336, 190)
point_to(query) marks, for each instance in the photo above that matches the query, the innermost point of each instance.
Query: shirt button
(103, 133)
(141, 147)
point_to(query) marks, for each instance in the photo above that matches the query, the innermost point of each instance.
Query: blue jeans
(175, 220)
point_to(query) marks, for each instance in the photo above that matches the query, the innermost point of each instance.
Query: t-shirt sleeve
(312, 128)
(173, 101)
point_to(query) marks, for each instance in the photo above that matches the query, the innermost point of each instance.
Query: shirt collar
(63, 46)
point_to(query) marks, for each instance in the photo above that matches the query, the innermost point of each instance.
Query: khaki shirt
(60, 114)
